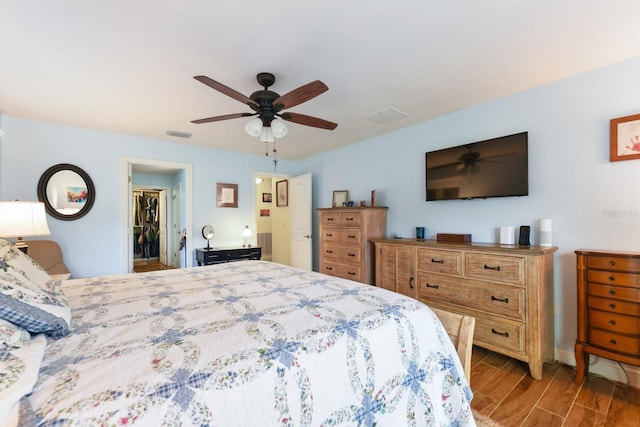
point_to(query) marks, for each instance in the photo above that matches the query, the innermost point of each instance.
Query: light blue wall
(94, 245)
(593, 203)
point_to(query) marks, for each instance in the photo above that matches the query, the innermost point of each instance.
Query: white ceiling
(127, 66)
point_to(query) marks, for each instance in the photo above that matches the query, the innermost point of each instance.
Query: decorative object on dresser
(453, 238)
(608, 308)
(340, 198)
(508, 289)
(345, 250)
(220, 255)
(207, 233)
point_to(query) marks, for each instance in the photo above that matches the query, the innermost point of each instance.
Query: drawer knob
(612, 322)
(432, 286)
(612, 292)
(613, 342)
(504, 300)
(437, 261)
(488, 267)
(504, 334)
(612, 278)
(612, 263)
(612, 306)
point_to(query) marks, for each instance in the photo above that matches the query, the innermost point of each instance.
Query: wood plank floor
(505, 392)
(140, 266)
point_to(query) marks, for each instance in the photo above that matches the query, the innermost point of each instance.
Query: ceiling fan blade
(226, 90)
(225, 117)
(300, 95)
(303, 119)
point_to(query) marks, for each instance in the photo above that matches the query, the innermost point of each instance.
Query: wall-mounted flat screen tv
(495, 167)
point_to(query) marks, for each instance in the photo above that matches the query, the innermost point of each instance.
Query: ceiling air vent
(387, 115)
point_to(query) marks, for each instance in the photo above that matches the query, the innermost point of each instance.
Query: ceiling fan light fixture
(266, 135)
(254, 127)
(278, 128)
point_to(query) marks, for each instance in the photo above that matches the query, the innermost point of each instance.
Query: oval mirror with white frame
(208, 233)
(66, 191)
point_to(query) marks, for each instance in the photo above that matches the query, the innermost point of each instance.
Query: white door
(301, 221)
(176, 229)
(129, 218)
(162, 228)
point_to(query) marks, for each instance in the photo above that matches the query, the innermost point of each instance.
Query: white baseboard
(605, 367)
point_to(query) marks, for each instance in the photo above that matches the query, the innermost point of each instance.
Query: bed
(249, 343)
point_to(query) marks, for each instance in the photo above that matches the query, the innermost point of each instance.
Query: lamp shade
(278, 128)
(253, 127)
(246, 232)
(20, 219)
(266, 135)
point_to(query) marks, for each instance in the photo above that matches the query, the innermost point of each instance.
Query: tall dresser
(345, 250)
(507, 288)
(608, 308)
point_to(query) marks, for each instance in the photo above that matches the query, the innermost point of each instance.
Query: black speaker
(525, 231)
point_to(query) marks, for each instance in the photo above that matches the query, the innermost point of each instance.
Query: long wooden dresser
(345, 249)
(507, 288)
(608, 308)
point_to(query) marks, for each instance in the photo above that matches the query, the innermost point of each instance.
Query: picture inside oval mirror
(67, 191)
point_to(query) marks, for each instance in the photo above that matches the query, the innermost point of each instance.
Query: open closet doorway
(150, 220)
(167, 178)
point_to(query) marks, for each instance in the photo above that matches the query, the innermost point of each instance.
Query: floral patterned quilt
(249, 343)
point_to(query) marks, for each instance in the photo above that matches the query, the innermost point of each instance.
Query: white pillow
(29, 297)
(20, 367)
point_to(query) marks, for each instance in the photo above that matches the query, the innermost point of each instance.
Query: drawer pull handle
(612, 322)
(612, 292)
(432, 286)
(351, 236)
(504, 300)
(612, 278)
(329, 268)
(504, 334)
(613, 342)
(612, 306)
(328, 251)
(488, 267)
(348, 219)
(411, 282)
(329, 219)
(351, 254)
(352, 273)
(329, 235)
(612, 263)
(437, 261)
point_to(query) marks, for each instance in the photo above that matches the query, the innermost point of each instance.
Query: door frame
(169, 243)
(127, 212)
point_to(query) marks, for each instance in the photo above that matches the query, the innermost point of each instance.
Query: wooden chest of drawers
(345, 250)
(608, 308)
(508, 289)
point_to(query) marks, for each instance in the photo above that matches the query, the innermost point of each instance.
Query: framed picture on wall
(266, 197)
(625, 138)
(282, 193)
(227, 195)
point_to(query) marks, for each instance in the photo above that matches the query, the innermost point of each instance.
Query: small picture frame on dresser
(340, 198)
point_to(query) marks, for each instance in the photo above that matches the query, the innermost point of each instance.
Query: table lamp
(22, 219)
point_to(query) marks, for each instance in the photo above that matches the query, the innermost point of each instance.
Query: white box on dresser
(507, 288)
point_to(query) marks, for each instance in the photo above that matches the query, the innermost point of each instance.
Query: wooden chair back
(460, 329)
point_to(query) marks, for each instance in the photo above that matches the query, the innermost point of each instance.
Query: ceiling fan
(268, 106)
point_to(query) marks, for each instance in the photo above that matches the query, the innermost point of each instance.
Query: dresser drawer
(613, 263)
(348, 219)
(351, 272)
(615, 342)
(613, 322)
(343, 254)
(342, 235)
(614, 306)
(509, 335)
(437, 261)
(498, 299)
(504, 269)
(614, 292)
(614, 278)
